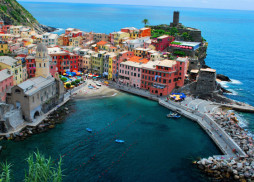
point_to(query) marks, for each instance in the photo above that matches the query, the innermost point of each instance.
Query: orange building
(145, 32)
(66, 41)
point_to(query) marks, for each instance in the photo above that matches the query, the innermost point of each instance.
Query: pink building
(123, 56)
(6, 82)
(162, 42)
(130, 71)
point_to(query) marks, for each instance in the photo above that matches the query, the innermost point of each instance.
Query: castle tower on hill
(176, 19)
(42, 61)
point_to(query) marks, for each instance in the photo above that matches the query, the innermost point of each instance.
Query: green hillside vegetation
(14, 14)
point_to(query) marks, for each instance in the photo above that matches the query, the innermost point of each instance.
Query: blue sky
(217, 4)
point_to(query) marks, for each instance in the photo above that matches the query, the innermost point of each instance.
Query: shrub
(68, 85)
(77, 81)
(73, 83)
(64, 79)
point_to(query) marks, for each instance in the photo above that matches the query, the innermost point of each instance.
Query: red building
(6, 82)
(30, 65)
(65, 61)
(161, 77)
(6, 29)
(162, 42)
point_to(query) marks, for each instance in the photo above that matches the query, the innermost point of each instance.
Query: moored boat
(89, 130)
(119, 141)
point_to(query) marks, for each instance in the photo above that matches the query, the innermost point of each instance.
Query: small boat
(173, 115)
(89, 130)
(119, 141)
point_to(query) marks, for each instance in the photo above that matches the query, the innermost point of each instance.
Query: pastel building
(134, 32)
(98, 62)
(162, 42)
(6, 82)
(118, 37)
(161, 77)
(49, 39)
(15, 66)
(135, 43)
(4, 48)
(130, 71)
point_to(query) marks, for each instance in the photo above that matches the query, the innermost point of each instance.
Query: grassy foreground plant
(42, 169)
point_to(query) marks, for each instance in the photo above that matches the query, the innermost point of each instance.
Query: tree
(77, 81)
(145, 21)
(73, 83)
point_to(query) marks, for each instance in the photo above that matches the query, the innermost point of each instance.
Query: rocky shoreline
(50, 122)
(232, 169)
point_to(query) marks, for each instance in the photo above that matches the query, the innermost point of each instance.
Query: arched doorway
(134, 85)
(156, 91)
(160, 94)
(36, 114)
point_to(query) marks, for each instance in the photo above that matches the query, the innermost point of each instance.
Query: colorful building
(30, 64)
(119, 37)
(162, 42)
(161, 77)
(6, 82)
(15, 66)
(98, 62)
(130, 71)
(4, 48)
(145, 32)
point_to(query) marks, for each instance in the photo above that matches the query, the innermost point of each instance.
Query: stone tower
(176, 18)
(42, 61)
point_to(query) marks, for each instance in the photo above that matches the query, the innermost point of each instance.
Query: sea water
(156, 148)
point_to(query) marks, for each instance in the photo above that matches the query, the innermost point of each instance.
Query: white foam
(235, 82)
(114, 94)
(233, 92)
(224, 84)
(58, 30)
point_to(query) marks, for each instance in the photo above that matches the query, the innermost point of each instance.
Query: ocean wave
(58, 30)
(235, 82)
(224, 84)
(233, 92)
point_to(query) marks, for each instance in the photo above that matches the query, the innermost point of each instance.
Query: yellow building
(112, 57)
(119, 36)
(4, 49)
(14, 65)
(75, 41)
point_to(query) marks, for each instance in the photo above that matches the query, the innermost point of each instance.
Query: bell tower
(42, 61)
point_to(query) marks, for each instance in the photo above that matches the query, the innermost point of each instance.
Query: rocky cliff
(14, 14)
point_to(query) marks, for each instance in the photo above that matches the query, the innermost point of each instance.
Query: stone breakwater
(233, 168)
(49, 122)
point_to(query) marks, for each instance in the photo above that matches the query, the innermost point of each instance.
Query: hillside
(15, 14)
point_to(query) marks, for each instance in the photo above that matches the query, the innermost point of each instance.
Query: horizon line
(30, 1)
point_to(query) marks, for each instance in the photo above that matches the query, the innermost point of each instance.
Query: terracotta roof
(101, 43)
(137, 59)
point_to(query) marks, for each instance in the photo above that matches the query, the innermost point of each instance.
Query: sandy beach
(98, 92)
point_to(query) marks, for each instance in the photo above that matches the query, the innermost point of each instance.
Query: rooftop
(4, 74)
(8, 60)
(208, 70)
(34, 85)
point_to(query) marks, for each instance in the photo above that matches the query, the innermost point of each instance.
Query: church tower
(42, 61)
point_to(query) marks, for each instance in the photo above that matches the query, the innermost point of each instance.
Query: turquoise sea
(156, 149)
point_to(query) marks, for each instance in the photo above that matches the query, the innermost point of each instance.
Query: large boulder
(223, 78)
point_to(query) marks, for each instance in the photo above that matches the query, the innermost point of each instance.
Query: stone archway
(3, 127)
(36, 114)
